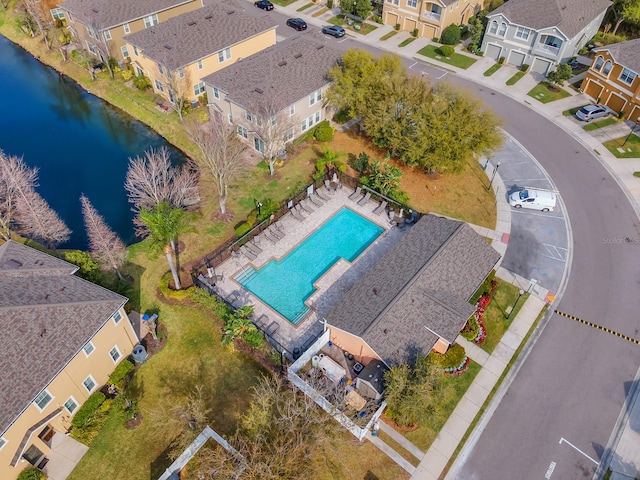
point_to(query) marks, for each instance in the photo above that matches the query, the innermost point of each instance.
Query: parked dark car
(591, 112)
(334, 31)
(297, 23)
(264, 4)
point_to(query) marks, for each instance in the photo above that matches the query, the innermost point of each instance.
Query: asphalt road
(558, 413)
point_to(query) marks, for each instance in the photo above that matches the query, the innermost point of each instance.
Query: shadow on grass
(160, 464)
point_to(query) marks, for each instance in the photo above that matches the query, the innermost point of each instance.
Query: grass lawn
(545, 92)
(491, 70)
(457, 59)
(571, 112)
(387, 36)
(495, 315)
(304, 7)
(423, 436)
(320, 12)
(365, 28)
(282, 3)
(600, 124)
(631, 149)
(406, 42)
(516, 76)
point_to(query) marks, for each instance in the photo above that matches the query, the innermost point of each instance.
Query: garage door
(493, 51)
(593, 90)
(516, 58)
(540, 66)
(616, 103)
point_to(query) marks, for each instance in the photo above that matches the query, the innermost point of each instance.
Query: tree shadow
(370, 476)
(161, 463)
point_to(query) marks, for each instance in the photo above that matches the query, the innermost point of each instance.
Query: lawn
(387, 36)
(631, 148)
(365, 28)
(304, 7)
(406, 42)
(546, 92)
(423, 436)
(571, 112)
(600, 124)
(491, 70)
(456, 60)
(516, 76)
(495, 315)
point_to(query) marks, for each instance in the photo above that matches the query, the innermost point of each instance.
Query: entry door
(33, 455)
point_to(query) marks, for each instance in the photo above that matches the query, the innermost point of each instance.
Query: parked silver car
(590, 112)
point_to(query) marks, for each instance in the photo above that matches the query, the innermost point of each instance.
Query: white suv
(535, 198)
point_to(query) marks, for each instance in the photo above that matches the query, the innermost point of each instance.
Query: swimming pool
(287, 283)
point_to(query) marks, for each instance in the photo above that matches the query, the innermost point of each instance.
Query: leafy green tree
(561, 74)
(32, 473)
(165, 224)
(363, 8)
(451, 35)
(625, 10)
(384, 178)
(88, 268)
(238, 325)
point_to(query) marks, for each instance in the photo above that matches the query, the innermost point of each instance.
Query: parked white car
(534, 198)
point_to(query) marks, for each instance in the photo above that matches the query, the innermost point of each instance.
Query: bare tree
(42, 20)
(275, 127)
(152, 179)
(223, 154)
(179, 85)
(107, 248)
(23, 208)
(103, 44)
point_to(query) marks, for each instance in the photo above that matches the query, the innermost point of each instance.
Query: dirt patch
(154, 345)
(134, 422)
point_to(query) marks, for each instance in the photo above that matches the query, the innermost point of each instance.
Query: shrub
(471, 329)
(636, 174)
(208, 302)
(253, 338)
(501, 60)
(361, 163)
(486, 287)
(163, 286)
(415, 32)
(524, 67)
(242, 229)
(88, 268)
(32, 473)
(329, 4)
(342, 116)
(88, 409)
(453, 359)
(397, 26)
(119, 375)
(446, 50)
(436, 39)
(323, 132)
(126, 74)
(399, 196)
(141, 82)
(450, 35)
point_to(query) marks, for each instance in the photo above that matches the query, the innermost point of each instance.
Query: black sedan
(297, 23)
(333, 30)
(264, 4)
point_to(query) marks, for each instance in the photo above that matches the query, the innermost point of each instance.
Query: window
(224, 55)
(135, 50)
(160, 69)
(311, 121)
(493, 28)
(599, 63)
(125, 51)
(502, 30)
(523, 33)
(181, 72)
(92, 48)
(3, 442)
(158, 84)
(43, 399)
(91, 32)
(315, 97)
(115, 354)
(607, 67)
(288, 135)
(127, 28)
(317, 116)
(57, 13)
(248, 116)
(259, 121)
(230, 116)
(71, 405)
(89, 383)
(258, 144)
(198, 89)
(216, 93)
(139, 72)
(627, 76)
(150, 21)
(292, 110)
(394, 2)
(107, 35)
(117, 316)
(88, 348)
(243, 132)
(412, 3)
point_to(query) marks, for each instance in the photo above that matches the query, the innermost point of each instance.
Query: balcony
(548, 50)
(432, 16)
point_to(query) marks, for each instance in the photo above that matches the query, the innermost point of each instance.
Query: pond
(79, 143)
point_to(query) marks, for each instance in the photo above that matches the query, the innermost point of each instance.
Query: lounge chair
(271, 237)
(315, 200)
(321, 194)
(355, 194)
(364, 199)
(380, 208)
(296, 215)
(275, 232)
(305, 207)
(327, 185)
(278, 226)
(272, 328)
(256, 250)
(261, 321)
(247, 253)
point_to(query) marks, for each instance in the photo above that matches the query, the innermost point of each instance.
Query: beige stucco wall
(68, 383)
(353, 344)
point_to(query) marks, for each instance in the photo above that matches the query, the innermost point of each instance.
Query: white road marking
(414, 64)
(343, 40)
(442, 76)
(552, 467)
(576, 448)
(424, 73)
(555, 253)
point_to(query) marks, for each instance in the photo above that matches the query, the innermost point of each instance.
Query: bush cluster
(446, 50)
(120, 374)
(451, 35)
(88, 409)
(323, 132)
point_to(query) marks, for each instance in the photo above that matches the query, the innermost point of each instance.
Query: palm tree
(165, 224)
(238, 324)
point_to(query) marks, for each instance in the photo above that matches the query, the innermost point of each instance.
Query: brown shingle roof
(194, 35)
(110, 13)
(284, 73)
(425, 280)
(626, 54)
(47, 315)
(570, 16)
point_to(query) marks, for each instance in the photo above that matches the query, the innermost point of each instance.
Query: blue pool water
(285, 284)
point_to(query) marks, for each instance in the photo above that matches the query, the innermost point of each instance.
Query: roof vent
(282, 63)
(13, 264)
(191, 24)
(297, 55)
(168, 47)
(231, 12)
(208, 17)
(319, 47)
(259, 90)
(95, 10)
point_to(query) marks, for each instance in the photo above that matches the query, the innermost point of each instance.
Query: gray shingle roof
(198, 34)
(570, 16)
(425, 280)
(284, 73)
(110, 13)
(625, 53)
(47, 314)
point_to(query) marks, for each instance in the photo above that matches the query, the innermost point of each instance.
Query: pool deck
(331, 286)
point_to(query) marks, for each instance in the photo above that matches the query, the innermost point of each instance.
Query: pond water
(79, 143)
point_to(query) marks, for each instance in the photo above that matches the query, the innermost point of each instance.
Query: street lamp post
(495, 170)
(520, 293)
(354, 7)
(633, 129)
(282, 360)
